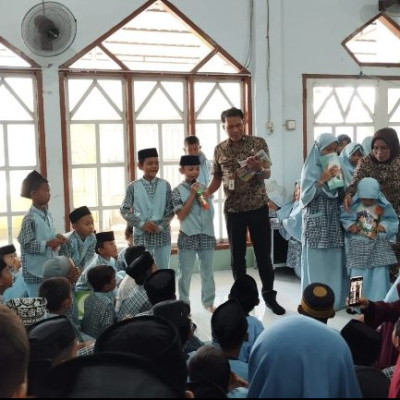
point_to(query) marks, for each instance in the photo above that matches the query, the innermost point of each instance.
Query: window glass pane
(175, 90)
(113, 88)
(76, 89)
(330, 112)
(11, 109)
(3, 231)
(16, 222)
(367, 94)
(112, 147)
(172, 137)
(83, 143)
(344, 94)
(320, 93)
(393, 99)
(146, 137)
(2, 159)
(214, 106)
(172, 175)
(141, 90)
(95, 59)
(21, 155)
(113, 221)
(3, 192)
(9, 59)
(218, 64)
(23, 87)
(18, 203)
(363, 132)
(201, 91)
(113, 185)
(377, 42)
(95, 106)
(207, 134)
(84, 185)
(395, 117)
(357, 112)
(232, 91)
(159, 107)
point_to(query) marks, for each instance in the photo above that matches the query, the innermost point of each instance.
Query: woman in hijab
(290, 217)
(322, 258)
(298, 357)
(343, 141)
(382, 164)
(349, 159)
(366, 144)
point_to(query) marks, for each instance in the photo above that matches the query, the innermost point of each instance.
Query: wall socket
(270, 126)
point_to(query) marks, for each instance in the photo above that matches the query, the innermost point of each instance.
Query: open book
(328, 161)
(245, 173)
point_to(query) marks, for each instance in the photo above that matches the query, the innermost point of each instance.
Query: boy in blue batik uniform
(245, 291)
(192, 148)
(106, 254)
(99, 306)
(196, 235)
(82, 240)
(8, 254)
(148, 208)
(38, 238)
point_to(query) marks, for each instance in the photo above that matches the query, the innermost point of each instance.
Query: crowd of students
(91, 311)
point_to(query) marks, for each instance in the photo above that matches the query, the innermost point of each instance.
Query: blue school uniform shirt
(99, 313)
(197, 228)
(37, 228)
(83, 283)
(204, 177)
(81, 251)
(149, 201)
(255, 327)
(138, 302)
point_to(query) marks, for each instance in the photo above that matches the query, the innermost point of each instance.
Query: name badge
(231, 184)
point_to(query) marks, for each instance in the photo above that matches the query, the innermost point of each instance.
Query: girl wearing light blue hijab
(322, 258)
(367, 144)
(299, 357)
(370, 225)
(349, 158)
(290, 217)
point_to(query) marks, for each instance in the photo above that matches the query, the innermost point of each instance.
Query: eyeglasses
(382, 148)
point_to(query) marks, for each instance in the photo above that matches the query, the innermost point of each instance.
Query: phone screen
(355, 290)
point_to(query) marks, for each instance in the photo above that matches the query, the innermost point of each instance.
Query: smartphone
(356, 283)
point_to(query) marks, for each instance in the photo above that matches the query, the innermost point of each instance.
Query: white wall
(305, 37)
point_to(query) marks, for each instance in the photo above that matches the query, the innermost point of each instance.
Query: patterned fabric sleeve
(169, 208)
(176, 200)
(216, 167)
(360, 172)
(127, 208)
(27, 239)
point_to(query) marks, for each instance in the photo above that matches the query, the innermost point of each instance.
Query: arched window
(149, 82)
(22, 146)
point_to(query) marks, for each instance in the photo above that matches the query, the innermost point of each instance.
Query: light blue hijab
(367, 144)
(347, 167)
(312, 170)
(290, 215)
(299, 357)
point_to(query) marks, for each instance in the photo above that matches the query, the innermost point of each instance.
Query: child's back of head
(160, 286)
(14, 354)
(229, 325)
(101, 277)
(57, 292)
(245, 290)
(210, 363)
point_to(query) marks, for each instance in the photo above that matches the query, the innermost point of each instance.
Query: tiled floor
(286, 284)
